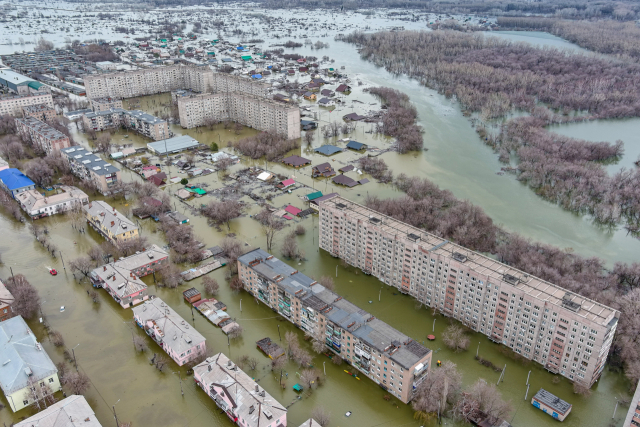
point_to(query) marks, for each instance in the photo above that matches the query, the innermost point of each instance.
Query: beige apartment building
(12, 105)
(41, 134)
(139, 121)
(86, 165)
(42, 112)
(105, 103)
(570, 335)
(388, 357)
(257, 112)
(109, 222)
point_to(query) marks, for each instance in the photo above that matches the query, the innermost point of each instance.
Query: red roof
(287, 217)
(288, 182)
(293, 210)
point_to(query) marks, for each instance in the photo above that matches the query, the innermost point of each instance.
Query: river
(455, 160)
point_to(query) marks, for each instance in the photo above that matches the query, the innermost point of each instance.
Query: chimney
(130, 274)
(114, 278)
(113, 223)
(104, 268)
(257, 388)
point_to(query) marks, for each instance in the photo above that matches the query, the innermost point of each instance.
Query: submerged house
(323, 169)
(551, 404)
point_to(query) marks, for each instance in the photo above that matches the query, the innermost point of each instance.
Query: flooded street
(454, 158)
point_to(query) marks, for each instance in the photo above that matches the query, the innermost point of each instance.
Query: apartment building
(149, 81)
(254, 111)
(139, 121)
(633, 414)
(72, 411)
(388, 357)
(105, 103)
(170, 331)
(224, 82)
(41, 134)
(37, 206)
(237, 394)
(110, 223)
(86, 165)
(121, 278)
(42, 112)
(566, 333)
(12, 105)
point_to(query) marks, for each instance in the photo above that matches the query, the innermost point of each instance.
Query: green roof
(196, 190)
(246, 57)
(35, 85)
(313, 196)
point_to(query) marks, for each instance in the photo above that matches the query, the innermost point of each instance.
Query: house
(25, 365)
(107, 221)
(192, 295)
(552, 405)
(345, 180)
(74, 411)
(310, 96)
(15, 182)
(353, 117)
(292, 210)
(346, 89)
(286, 183)
(121, 278)
(355, 145)
(314, 195)
(270, 348)
(6, 299)
(327, 92)
(347, 168)
(170, 331)
(265, 176)
(237, 394)
(38, 206)
(158, 179)
(281, 98)
(177, 217)
(310, 423)
(323, 169)
(315, 203)
(326, 102)
(328, 150)
(296, 161)
(308, 125)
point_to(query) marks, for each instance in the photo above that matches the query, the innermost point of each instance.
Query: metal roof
(73, 411)
(173, 145)
(328, 150)
(552, 401)
(13, 179)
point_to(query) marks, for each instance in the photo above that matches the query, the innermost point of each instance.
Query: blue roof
(355, 145)
(328, 150)
(257, 76)
(13, 179)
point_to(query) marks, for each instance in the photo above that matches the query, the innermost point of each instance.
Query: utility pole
(336, 270)
(63, 266)
(279, 333)
(478, 349)
(615, 409)
(240, 305)
(434, 325)
(114, 413)
(379, 294)
(528, 377)
(527, 393)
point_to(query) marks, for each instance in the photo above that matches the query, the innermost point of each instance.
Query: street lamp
(336, 270)
(478, 349)
(616, 408)
(75, 362)
(114, 413)
(380, 293)
(240, 305)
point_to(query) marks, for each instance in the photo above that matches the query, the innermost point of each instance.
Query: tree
(252, 363)
(140, 343)
(302, 357)
(231, 249)
(270, 225)
(318, 346)
(184, 181)
(291, 339)
(336, 359)
(290, 248)
(581, 389)
(300, 230)
(438, 390)
(222, 212)
(278, 363)
(236, 284)
(83, 265)
(455, 338)
(235, 332)
(309, 137)
(484, 397)
(26, 299)
(39, 172)
(211, 286)
(159, 361)
(43, 45)
(169, 276)
(77, 382)
(103, 143)
(309, 378)
(40, 394)
(321, 415)
(214, 146)
(56, 338)
(224, 164)
(327, 282)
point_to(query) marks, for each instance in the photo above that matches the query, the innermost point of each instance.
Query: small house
(326, 102)
(551, 404)
(310, 96)
(324, 170)
(270, 348)
(192, 295)
(355, 145)
(328, 150)
(286, 184)
(327, 92)
(296, 161)
(345, 180)
(343, 88)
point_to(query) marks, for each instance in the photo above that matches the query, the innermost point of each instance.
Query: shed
(270, 348)
(355, 145)
(346, 168)
(192, 295)
(172, 145)
(265, 176)
(286, 183)
(313, 196)
(328, 150)
(345, 180)
(551, 404)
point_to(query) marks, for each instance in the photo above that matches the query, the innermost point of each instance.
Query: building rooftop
(494, 270)
(93, 114)
(22, 356)
(310, 423)
(13, 77)
(250, 401)
(552, 401)
(328, 150)
(145, 117)
(176, 332)
(37, 108)
(5, 296)
(108, 216)
(13, 179)
(32, 200)
(74, 411)
(42, 128)
(89, 160)
(374, 332)
(173, 145)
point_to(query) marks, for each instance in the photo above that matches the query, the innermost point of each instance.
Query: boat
(53, 271)
(348, 414)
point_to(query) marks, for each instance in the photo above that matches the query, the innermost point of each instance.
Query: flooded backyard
(454, 158)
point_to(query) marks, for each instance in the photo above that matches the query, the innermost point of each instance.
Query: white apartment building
(86, 165)
(254, 111)
(570, 335)
(12, 105)
(139, 121)
(38, 206)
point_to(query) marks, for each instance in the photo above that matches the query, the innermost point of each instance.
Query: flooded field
(454, 158)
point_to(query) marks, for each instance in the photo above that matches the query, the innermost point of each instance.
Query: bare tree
(56, 338)
(581, 390)
(302, 357)
(270, 225)
(482, 397)
(336, 359)
(39, 172)
(321, 416)
(222, 212)
(40, 394)
(291, 339)
(290, 248)
(159, 361)
(169, 276)
(318, 346)
(309, 378)
(140, 343)
(26, 299)
(82, 265)
(327, 282)
(309, 137)
(77, 382)
(103, 143)
(43, 45)
(440, 386)
(211, 286)
(252, 363)
(236, 332)
(236, 284)
(455, 338)
(278, 363)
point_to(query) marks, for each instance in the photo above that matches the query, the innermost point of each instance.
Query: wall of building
(17, 399)
(12, 105)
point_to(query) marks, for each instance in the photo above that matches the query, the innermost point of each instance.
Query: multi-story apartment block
(568, 334)
(254, 111)
(12, 105)
(139, 121)
(170, 331)
(103, 119)
(42, 112)
(86, 165)
(633, 414)
(41, 134)
(237, 394)
(388, 357)
(121, 278)
(37, 206)
(223, 82)
(149, 81)
(105, 103)
(110, 223)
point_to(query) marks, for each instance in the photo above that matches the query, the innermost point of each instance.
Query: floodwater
(455, 160)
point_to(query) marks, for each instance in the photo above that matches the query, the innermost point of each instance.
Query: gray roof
(552, 401)
(241, 389)
(20, 353)
(74, 411)
(145, 117)
(177, 332)
(374, 332)
(173, 145)
(310, 423)
(89, 160)
(107, 215)
(106, 112)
